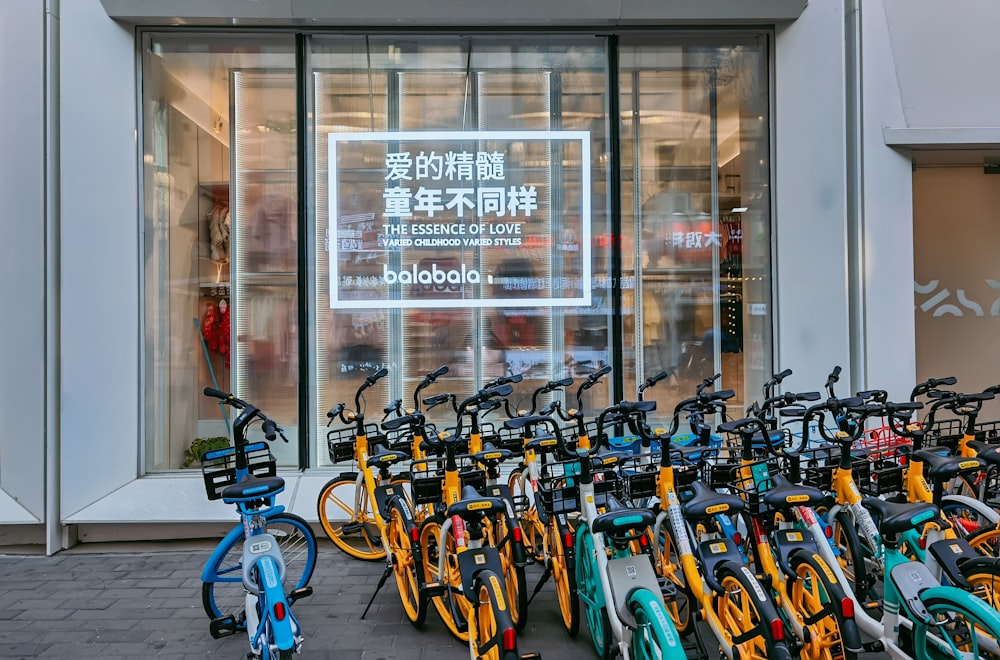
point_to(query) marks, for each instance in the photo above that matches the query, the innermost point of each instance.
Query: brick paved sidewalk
(146, 603)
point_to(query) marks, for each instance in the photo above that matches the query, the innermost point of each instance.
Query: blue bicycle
(243, 583)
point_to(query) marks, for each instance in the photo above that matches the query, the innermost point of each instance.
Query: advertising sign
(459, 219)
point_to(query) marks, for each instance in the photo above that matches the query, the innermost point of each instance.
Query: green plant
(199, 446)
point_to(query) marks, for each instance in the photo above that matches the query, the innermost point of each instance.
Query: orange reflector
(279, 611)
(778, 630)
(847, 607)
(509, 640)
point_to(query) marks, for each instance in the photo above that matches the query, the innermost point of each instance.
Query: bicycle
(353, 506)
(697, 553)
(244, 475)
(618, 587)
(463, 571)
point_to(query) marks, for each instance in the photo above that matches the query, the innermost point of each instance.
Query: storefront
(279, 204)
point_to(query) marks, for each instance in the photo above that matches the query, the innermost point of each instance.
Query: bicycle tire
(946, 603)
(655, 638)
(405, 569)
(363, 540)
(852, 555)
(451, 606)
(986, 541)
(967, 517)
(531, 531)
(743, 608)
(224, 595)
(589, 586)
(514, 576)
(816, 596)
(491, 619)
(564, 577)
(669, 567)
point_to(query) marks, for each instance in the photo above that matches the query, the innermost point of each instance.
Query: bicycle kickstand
(381, 583)
(541, 583)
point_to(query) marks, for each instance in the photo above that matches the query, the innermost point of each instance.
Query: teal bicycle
(617, 585)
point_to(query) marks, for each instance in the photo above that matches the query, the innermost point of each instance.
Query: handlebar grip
(635, 406)
(906, 406)
(336, 410)
(808, 396)
(270, 429)
(554, 384)
(502, 390)
(393, 424)
(381, 373)
(783, 375)
(732, 427)
(792, 412)
(436, 400)
(653, 380)
(722, 394)
(603, 371)
(835, 374)
(442, 370)
(950, 380)
(517, 378)
(218, 394)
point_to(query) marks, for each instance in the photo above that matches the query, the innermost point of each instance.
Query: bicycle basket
(751, 480)
(340, 442)
(427, 478)
(945, 434)
(639, 475)
(885, 470)
(218, 467)
(988, 432)
(818, 464)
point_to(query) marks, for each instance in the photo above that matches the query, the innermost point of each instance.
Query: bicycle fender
(837, 593)
(262, 552)
(665, 630)
(474, 561)
(283, 628)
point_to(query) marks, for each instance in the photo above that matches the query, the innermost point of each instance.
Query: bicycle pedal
(871, 606)
(350, 528)
(667, 589)
(303, 592)
(223, 626)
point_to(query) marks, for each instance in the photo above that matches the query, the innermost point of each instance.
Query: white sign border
(586, 274)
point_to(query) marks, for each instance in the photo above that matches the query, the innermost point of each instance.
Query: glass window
(695, 215)
(219, 181)
(489, 183)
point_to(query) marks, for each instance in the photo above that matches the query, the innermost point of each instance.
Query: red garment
(210, 327)
(223, 335)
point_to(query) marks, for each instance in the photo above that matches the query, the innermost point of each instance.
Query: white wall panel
(100, 256)
(810, 197)
(22, 261)
(887, 219)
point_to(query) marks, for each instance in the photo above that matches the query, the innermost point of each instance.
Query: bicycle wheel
(589, 583)
(962, 626)
(853, 554)
(669, 567)
(452, 606)
(986, 541)
(564, 577)
(223, 593)
(345, 512)
(655, 637)
(405, 569)
(527, 514)
(739, 611)
(491, 620)
(817, 602)
(513, 575)
(967, 517)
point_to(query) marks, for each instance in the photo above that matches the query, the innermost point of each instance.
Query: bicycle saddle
(473, 506)
(492, 453)
(986, 452)
(253, 488)
(943, 468)
(784, 494)
(896, 517)
(706, 502)
(383, 456)
(621, 518)
(540, 442)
